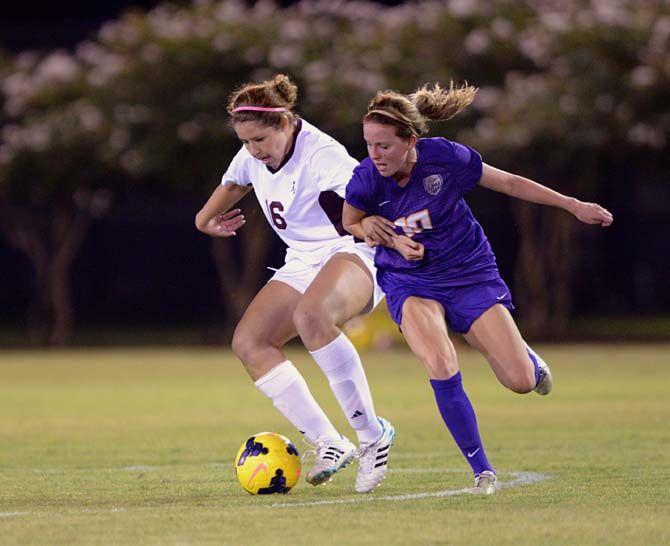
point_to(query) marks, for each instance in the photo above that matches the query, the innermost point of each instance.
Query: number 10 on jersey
(415, 222)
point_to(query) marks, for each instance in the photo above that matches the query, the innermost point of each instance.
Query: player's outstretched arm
(215, 218)
(528, 190)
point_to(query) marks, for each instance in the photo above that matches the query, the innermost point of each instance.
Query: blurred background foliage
(573, 93)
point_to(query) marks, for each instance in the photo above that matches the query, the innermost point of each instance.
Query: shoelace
(366, 457)
(308, 452)
(316, 452)
(367, 453)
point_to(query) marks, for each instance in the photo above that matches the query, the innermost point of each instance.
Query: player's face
(390, 153)
(265, 143)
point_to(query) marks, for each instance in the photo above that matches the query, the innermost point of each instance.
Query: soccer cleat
(331, 456)
(486, 483)
(546, 381)
(373, 459)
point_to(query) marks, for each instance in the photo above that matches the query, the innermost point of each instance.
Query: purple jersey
(431, 209)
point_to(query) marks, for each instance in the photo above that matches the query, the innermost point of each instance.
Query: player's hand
(378, 230)
(225, 225)
(408, 249)
(592, 213)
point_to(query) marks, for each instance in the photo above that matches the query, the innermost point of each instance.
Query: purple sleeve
(360, 192)
(467, 166)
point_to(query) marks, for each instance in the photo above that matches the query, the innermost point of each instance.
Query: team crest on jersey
(433, 184)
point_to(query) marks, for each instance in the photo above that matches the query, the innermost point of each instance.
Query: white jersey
(302, 200)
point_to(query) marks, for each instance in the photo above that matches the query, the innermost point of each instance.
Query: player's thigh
(342, 289)
(497, 337)
(425, 331)
(268, 319)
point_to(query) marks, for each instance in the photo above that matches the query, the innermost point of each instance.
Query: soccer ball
(267, 463)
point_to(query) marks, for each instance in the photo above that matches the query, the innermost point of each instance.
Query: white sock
(340, 362)
(290, 394)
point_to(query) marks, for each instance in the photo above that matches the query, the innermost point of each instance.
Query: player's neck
(405, 172)
(288, 147)
(290, 141)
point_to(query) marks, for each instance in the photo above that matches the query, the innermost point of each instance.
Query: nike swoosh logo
(470, 455)
(261, 466)
(384, 203)
(501, 297)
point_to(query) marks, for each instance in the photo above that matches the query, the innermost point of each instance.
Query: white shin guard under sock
(340, 362)
(287, 389)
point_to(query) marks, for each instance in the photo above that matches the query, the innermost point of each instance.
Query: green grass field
(137, 447)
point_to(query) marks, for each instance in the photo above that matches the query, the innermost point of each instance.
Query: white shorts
(299, 275)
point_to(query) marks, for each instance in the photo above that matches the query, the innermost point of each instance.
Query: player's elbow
(200, 222)
(348, 227)
(351, 225)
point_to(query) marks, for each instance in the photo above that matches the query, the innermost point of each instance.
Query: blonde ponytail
(411, 113)
(440, 104)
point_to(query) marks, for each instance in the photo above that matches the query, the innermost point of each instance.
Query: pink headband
(258, 109)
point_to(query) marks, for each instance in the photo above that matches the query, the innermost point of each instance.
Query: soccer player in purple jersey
(433, 259)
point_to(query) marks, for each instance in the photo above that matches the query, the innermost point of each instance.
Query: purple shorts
(462, 304)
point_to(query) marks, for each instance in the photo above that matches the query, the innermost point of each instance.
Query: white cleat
(331, 456)
(546, 381)
(486, 483)
(373, 459)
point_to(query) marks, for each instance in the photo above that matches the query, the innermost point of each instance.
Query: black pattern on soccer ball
(253, 449)
(277, 484)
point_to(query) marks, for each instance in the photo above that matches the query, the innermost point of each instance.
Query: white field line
(70, 511)
(520, 478)
(12, 514)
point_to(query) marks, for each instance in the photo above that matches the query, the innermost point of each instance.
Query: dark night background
(126, 274)
(47, 25)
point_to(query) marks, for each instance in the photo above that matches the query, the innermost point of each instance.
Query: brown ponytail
(279, 92)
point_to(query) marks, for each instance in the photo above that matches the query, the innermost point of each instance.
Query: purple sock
(537, 368)
(459, 416)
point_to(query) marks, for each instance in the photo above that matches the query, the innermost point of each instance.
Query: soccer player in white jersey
(299, 175)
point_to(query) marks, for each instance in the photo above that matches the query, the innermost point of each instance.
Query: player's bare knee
(244, 345)
(309, 319)
(440, 366)
(522, 382)
(519, 388)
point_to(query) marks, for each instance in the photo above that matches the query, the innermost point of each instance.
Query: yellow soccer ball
(267, 463)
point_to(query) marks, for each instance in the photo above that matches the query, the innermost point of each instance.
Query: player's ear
(411, 142)
(284, 123)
